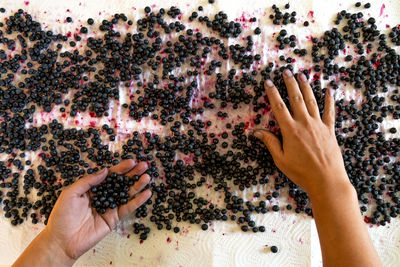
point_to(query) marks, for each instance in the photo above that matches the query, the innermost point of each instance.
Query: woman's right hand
(309, 153)
(310, 156)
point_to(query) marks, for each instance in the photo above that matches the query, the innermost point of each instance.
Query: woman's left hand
(74, 226)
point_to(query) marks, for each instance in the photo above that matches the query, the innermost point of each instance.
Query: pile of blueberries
(44, 67)
(112, 192)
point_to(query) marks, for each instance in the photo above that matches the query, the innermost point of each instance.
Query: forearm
(43, 251)
(342, 233)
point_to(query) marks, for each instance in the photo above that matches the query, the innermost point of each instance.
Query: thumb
(271, 141)
(85, 183)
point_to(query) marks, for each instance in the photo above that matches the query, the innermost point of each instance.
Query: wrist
(55, 249)
(44, 250)
(332, 187)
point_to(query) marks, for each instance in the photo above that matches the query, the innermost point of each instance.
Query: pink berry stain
(382, 9)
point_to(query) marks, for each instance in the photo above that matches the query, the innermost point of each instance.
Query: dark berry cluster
(193, 83)
(141, 230)
(112, 192)
(220, 24)
(286, 41)
(282, 17)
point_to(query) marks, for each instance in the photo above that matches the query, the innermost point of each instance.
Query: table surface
(224, 244)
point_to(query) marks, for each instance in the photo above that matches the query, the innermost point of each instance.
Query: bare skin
(310, 156)
(74, 227)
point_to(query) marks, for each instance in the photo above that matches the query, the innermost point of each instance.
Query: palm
(77, 225)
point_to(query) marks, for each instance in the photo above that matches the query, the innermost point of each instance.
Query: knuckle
(308, 124)
(330, 115)
(296, 99)
(280, 106)
(311, 102)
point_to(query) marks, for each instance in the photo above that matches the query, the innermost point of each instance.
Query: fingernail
(269, 83)
(287, 73)
(303, 77)
(102, 171)
(258, 134)
(146, 164)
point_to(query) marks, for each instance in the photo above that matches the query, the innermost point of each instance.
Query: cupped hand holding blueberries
(74, 226)
(308, 154)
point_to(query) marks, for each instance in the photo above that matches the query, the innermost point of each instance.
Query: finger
(138, 169)
(308, 96)
(278, 107)
(133, 204)
(272, 142)
(329, 110)
(85, 183)
(295, 96)
(139, 185)
(123, 167)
